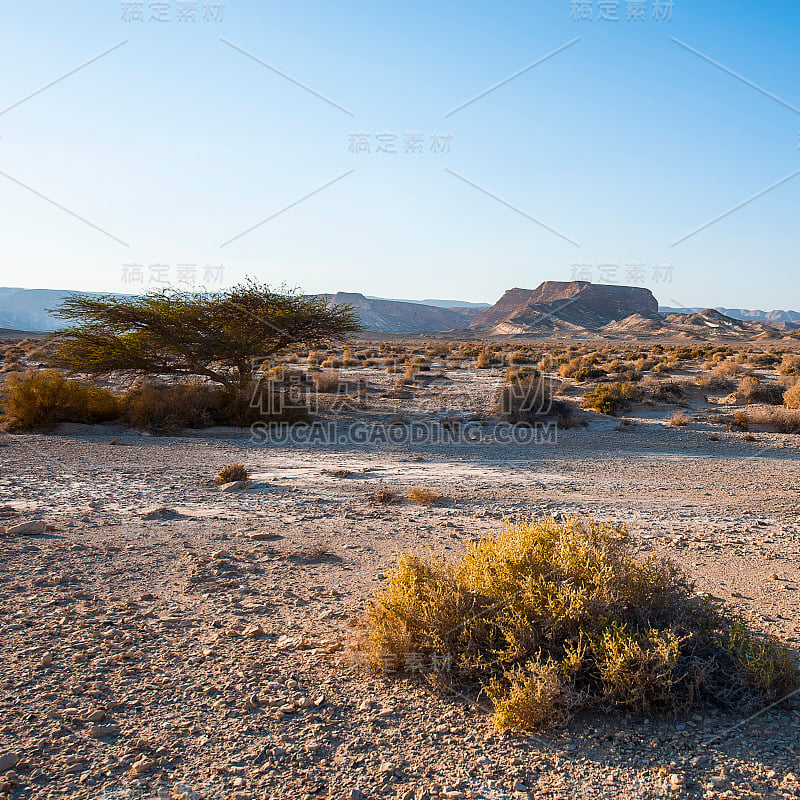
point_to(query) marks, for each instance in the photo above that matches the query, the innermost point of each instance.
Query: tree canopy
(219, 335)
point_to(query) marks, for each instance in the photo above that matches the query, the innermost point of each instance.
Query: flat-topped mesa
(576, 303)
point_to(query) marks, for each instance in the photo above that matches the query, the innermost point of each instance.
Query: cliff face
(566, 305)
(512, 301)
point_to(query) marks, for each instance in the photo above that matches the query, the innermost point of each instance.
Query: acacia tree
(219, 335)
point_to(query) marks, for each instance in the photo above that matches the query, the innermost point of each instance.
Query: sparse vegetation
(752, 390)
(610, 398)
(38, 401)
(232, 472)
(385, 495)
(550, 617)
(420, 496)
(791, 397)
(216, 335)
(679, 421)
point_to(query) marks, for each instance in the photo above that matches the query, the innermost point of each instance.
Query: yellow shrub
(42, 400)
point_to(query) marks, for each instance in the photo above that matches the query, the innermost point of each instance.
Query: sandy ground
(165, 639)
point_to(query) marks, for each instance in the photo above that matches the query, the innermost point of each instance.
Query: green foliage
(42, 400)
(216, 335)
(549, 617)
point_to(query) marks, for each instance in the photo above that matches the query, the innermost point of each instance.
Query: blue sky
(592, 163)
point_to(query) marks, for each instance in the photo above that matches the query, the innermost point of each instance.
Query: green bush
(553, 616)
(38, 401)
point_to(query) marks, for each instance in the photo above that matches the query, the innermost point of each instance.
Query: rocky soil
(161, 638)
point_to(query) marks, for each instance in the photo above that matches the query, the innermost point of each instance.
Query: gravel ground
(165, 639)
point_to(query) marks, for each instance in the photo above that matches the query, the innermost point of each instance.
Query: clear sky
(592, 163)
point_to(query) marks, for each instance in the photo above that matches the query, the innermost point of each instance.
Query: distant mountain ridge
(399, 316)
(557, 307)
(27, 309)
(777, 317)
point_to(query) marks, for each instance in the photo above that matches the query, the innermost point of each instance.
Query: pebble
(8, 759)
(232, 486)
(32, 528)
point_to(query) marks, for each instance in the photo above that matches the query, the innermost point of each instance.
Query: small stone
(232, 486)
(144, 764)
(676, 780)
(183, 792)
(355, 794)
(8, 759)
(96, 716)
(32, 528)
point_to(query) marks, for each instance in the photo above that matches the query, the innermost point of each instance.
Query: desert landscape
(399, 401)
(170, 631)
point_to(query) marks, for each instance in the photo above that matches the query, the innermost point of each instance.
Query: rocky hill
(563, 306)
(397, 316)
(778, 318)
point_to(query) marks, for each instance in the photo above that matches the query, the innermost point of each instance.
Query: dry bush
(385, 495)
(348, 360)
(581, 369)
(420, 496)
(327, 382)
(552, 616)
(611, 398)
(761, 359)
(727, 369)
(643, 364)
(516, 357)
(790, 364)
(484, 360)
(42, 400)
(519, 373)
(791, 397)
(315, 554)
(531, 697)
(170, 409)
(752, 390)
(331, 363)
(665, 391)
(780, 420)
(720, 378)
(741, 420)
(528, 400)
(679, 420)
(231, 472)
